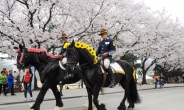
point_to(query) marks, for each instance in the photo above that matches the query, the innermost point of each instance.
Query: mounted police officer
(105, 50)
(62, 54)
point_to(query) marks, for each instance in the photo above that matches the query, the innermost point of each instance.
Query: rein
(80, 73)
(81, 76)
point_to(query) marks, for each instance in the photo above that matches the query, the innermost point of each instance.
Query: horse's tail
(134, 95)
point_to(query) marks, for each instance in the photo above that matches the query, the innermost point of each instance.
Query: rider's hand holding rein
(60, 56)
(105, 54)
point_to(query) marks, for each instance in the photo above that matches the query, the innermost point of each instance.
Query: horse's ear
(73, 43)
(20, 47)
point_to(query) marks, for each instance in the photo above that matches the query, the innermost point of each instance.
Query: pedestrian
(183, 77)
(156, 83)
(5, 71)
(3, 81)
(154, 77)
(140, 78)
(162, 77)
(26, 80)
(10, 84)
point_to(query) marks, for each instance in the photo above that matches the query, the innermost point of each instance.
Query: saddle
(116, 68)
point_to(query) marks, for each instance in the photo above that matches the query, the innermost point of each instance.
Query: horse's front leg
(95, 98)
(40, 97)
(57, 95)
(89, 98)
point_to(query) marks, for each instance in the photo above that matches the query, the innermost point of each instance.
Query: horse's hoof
(31, 109)
(130, 108)
(102, 107)
(122, 108)
(57, 108)
(85, 108)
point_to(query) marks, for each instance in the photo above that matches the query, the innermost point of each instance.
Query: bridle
(73, 63)
(21, 58)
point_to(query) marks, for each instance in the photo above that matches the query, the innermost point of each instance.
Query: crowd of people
(7, 83)
(157, 80)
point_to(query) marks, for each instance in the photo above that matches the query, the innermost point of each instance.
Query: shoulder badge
(66, 45)
(113, 43)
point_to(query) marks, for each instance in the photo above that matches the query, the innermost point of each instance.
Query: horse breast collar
(22, 56)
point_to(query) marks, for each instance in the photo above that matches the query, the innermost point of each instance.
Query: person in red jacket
(26, 80)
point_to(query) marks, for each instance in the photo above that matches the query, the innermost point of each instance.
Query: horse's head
(21, 60)
(72, 57)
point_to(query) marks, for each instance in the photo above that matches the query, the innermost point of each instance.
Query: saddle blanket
(116, 68)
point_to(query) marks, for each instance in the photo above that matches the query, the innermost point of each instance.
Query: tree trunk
(166, 74)
(144, 72)
(144, 77)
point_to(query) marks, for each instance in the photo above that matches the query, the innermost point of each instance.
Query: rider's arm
(112, 48)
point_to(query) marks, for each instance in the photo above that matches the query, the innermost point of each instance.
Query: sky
(175, 8)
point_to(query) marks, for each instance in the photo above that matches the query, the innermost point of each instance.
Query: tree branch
(50, 16)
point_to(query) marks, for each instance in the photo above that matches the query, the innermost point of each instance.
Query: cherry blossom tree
(135, 28)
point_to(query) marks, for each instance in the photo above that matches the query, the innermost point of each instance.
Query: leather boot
(113, 82)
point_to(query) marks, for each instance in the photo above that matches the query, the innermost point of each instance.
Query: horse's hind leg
(122, 105)
(57, 95)
(125, 85)
(40, 96)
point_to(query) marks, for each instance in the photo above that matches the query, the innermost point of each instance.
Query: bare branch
(50, 16)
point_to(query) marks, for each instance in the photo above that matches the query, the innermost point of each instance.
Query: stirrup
(69, 76)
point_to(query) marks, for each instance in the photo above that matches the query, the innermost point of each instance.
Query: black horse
(95, 81)
(49, 71)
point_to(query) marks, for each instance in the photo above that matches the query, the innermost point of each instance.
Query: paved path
(74, 93)
(152, 99)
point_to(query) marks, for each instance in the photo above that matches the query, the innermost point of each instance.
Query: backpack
(27, 77)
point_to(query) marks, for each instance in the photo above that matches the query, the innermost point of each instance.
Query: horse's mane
(39, 55)
(86, 56)
(86, 52)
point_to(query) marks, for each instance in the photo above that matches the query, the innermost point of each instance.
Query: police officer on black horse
(105, 50)
(62, 54)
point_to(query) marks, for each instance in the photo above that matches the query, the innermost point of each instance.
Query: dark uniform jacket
(63, 50)
(108, 46)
